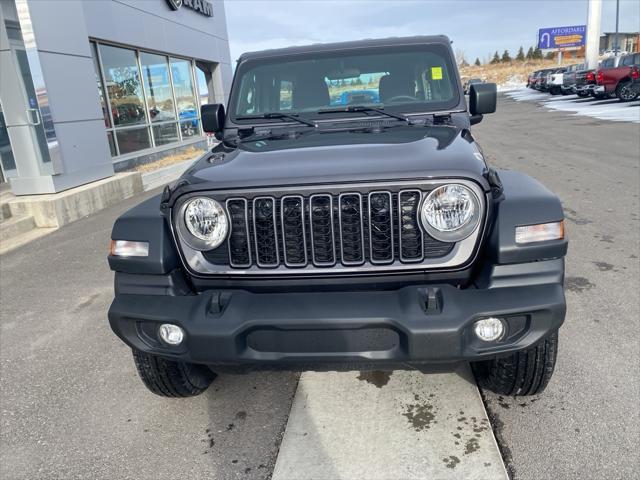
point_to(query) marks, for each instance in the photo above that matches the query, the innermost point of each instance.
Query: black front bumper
(412, 325)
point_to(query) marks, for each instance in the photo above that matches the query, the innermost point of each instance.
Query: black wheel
(624, 92)
(582, 94)
(169, 378)
(523, 373)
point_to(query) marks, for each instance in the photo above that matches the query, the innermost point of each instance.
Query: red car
(615, 76)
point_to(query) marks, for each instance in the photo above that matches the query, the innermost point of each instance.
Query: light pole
(616, 47)
(594, 16)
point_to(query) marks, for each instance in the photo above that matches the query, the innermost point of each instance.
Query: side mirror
(482, 98)
(212, 117)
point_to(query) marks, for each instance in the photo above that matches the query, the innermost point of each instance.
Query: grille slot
(264, 230)
(323, 247)
(350, 217)
(294, 238)
(239, 251)
(323, 230)
(410, 241)
(381, 227)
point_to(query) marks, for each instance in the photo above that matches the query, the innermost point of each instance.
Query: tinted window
(401, 78)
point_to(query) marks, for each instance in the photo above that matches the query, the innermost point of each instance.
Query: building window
(147, 99)
(182, 75)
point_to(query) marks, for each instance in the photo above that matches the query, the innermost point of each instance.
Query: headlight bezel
(463, 231)
(189, 237)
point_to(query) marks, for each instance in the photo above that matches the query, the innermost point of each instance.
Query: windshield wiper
(362, 108)
(287, 116)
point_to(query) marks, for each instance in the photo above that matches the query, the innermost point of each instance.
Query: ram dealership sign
(562, 37)
(201, 6)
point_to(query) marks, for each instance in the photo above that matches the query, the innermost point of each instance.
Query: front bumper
(411, 325)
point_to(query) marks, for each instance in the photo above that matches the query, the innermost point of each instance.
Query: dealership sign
(201, 6)
(562, 37)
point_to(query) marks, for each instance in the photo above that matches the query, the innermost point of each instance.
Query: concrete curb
(162, 176)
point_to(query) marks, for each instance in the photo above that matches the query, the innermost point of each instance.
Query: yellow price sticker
(436, 73)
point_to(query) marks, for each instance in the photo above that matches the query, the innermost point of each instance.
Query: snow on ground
(609, 109)
(514, 82)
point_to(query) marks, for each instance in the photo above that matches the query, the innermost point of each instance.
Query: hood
(317, 157)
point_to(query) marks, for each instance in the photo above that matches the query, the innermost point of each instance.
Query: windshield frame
(456, 104)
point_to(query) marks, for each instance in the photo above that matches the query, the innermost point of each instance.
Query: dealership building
(91, 88)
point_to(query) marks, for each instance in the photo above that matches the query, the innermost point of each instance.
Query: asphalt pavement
(585, 425)
(71, 405)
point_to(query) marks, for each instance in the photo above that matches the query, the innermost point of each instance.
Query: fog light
(489, 329)
(171, 334)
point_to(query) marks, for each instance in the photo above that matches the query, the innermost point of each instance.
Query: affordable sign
(562, 37)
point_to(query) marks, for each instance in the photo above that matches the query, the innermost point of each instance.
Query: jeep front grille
(347, 229)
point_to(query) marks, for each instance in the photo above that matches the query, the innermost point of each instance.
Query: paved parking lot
(72, 406)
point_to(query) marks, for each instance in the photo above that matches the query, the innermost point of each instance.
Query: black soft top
(327, 47)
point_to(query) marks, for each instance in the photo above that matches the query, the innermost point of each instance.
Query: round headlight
(450, 213)
(206, 223)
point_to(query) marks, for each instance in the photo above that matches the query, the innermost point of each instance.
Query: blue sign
(562, 37)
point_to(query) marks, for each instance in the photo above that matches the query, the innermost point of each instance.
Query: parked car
(585, 82)
(359, 97)
(615, 75)
(468, 83)
(599, 91)
(344, 237)
(569, 78)
(555, 82)
(543, 80)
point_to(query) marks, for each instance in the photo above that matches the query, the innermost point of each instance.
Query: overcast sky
(478, 27)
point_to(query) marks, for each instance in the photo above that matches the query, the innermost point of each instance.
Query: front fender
(145, 223)
(525, 202)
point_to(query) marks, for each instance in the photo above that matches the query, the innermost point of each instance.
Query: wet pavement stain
(377, 378)
(603, 266)
(451, 461)
(573, 216)
(471, 446)
(421, 415)
(578, 284)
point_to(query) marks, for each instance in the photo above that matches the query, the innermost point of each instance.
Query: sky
(478, 27)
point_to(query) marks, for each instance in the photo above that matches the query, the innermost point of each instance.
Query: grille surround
(430, 253)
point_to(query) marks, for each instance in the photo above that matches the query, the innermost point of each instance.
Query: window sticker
(436, 73)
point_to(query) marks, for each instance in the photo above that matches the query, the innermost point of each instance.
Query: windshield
(400, 79)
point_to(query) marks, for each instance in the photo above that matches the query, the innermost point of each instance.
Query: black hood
(321, 157)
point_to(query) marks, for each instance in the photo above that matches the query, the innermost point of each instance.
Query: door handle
(30, 114)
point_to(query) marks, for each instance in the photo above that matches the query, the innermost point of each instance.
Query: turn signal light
(127, 248)
(541, 232)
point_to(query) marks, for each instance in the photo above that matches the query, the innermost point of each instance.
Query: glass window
(203, 85)
(133, 139)
(165, 133)
(157, 87)
(103, 103)
(123, 86)
(112, 143)
(402, 79)
(183, 88)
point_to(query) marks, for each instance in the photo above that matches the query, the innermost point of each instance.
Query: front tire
(522, 373)
(169, 378)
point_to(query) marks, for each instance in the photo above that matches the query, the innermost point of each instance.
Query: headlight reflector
(450, 213)
(206, 223)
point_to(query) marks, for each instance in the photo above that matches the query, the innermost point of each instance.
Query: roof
(325, 47)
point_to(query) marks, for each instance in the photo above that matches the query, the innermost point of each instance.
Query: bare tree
(460, 57)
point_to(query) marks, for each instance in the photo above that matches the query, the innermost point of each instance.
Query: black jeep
(326, 234)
